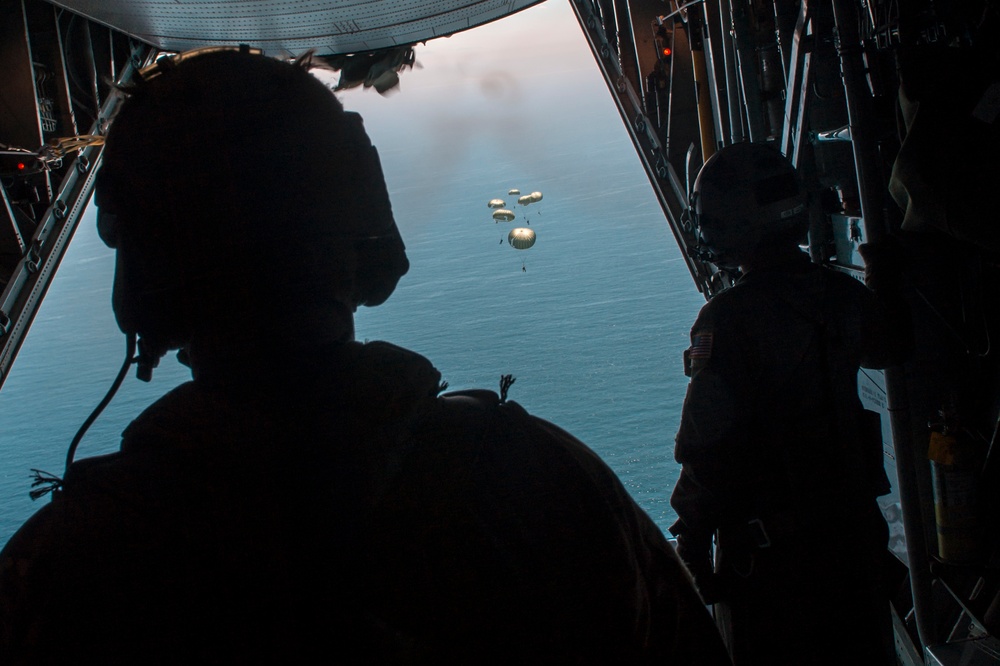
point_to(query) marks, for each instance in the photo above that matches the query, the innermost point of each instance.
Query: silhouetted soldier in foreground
(307, 496)
(779, 459)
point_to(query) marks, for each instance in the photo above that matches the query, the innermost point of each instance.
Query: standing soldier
(779, 459)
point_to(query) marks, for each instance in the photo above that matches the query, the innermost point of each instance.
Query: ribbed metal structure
(291, 27)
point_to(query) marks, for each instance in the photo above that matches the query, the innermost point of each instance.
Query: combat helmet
(235, 185)
(746, 194)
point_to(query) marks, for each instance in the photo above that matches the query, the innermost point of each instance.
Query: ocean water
(591, 321)
(592, 329)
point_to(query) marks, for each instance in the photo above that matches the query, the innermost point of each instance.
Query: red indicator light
(20, 166)
(666, 51)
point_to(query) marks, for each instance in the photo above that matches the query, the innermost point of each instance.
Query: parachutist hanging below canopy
(527, 200)
(521, 239)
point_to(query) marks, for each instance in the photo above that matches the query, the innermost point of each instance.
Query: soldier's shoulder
(727, 307)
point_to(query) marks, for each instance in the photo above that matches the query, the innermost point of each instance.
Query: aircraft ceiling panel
(291, 27)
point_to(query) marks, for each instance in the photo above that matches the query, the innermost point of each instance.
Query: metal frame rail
(670, 191)
(60, 72)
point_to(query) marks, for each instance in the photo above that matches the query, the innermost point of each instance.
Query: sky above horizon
(514, 92)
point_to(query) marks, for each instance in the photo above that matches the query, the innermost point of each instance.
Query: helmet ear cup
(381, 263)
(107, 226)
(145, 296)
(148, 297)
(123, 298)
(381, 255)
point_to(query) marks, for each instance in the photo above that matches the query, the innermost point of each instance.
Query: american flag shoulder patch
(701, 345)
(697, 355)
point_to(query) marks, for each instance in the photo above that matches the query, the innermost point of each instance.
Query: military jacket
(772, 421)
(345, 511)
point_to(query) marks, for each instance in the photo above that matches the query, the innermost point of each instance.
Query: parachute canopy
(514, 191)
(503, 215)
(521, 238)
(497, 203)
(529, 198)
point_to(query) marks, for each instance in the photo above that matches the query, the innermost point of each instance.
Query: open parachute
(503, 215)
(521, 238)
(526, 199)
